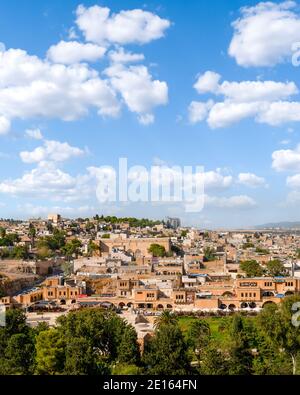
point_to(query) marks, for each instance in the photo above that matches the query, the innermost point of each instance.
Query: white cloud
(208, 82)
(64, 86)
(52, 151)
(70, 52)
(226, 113)
(251, 180)
(31, 87)
(35, 134)
(264, 34)
(253, 91)
(47, 182)
(265, 101)
(280, 112)
(4, 125)
(216, 180)
(198, 111)
(139, 91)
(122, 56)
(233, 202)
(293, 181)
(134, 26)
(284, 160)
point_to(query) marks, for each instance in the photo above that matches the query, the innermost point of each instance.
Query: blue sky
(244, 129)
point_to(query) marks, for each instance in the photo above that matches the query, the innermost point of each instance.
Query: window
(242, 294)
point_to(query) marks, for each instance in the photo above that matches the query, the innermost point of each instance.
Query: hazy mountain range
(282, 225)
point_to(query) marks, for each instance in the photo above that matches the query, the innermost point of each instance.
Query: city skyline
(159, 84)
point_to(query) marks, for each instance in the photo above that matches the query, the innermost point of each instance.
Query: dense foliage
(96, 342)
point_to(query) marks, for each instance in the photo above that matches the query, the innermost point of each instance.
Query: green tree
(81, 359)
(275, 268)
(252, 268)
(43, 252)
(240, 360)
(157, 250)
(129, 352)
(209, 254)
(165, 318)
(199, 337)
(184, 233)
(16, 344)
(72, 248)
(103, 330)
(214, 361)
(167, 352)
(50, 352)
(20, 252)
(247, 245)
(278, 324)
(262, 251)
(93, 248)
(2, 232)
(20, 354)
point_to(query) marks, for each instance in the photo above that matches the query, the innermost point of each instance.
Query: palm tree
(166, 318)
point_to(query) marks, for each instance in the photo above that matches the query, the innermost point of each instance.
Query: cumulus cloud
(126, 27)
(48, 182)
(64, 85)
(69, 52)
(280, 112)
(208, 82)
(266, 101)
(286, 160)
(52, 151)
(251, 180)
(198, 111)
(264, 34)
(31, 87)
(139, 91)
(122, 56)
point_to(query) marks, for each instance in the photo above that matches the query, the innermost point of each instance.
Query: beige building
(137, 246)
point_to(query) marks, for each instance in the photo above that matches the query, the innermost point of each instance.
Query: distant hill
(281, 225)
